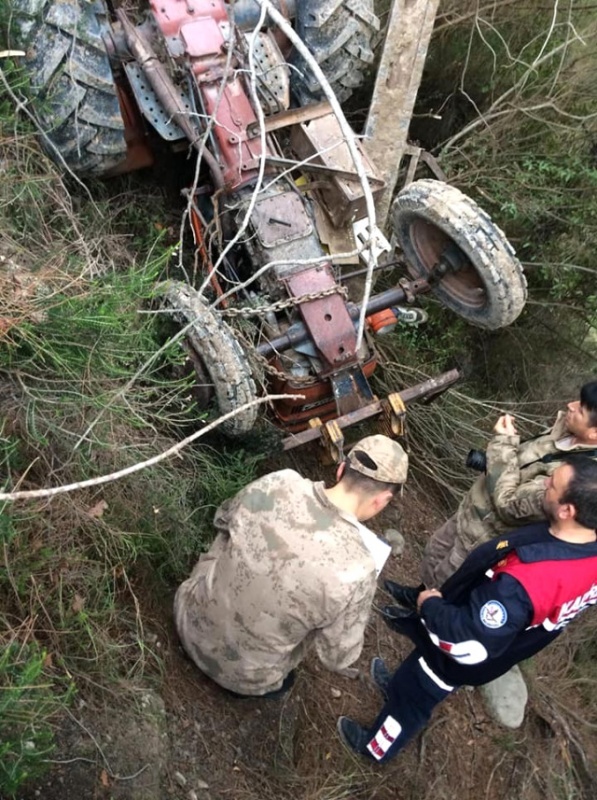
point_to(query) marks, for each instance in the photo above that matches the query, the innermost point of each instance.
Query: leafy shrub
(29, 697)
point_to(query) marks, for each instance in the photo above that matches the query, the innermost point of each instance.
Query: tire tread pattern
(71, 81)
(340, 35)
(223, 357)
(485, 244)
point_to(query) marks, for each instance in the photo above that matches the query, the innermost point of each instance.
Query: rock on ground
(506, 698)
(396, 540)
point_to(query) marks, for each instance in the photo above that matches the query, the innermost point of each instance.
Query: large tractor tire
(432, 219)
(215, 351)
(340, 34)
(72, 88)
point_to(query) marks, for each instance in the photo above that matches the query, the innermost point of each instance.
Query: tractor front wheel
(215, 350)
(436, 225)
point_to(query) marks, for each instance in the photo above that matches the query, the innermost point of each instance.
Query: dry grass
(72, 335)
(440, 434)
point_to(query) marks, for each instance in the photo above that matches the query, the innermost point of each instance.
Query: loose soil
(187, 738)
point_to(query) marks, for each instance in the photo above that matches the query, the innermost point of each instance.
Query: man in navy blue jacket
(510, 598)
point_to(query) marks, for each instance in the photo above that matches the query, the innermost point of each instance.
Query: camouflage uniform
(509, 495)
(287, 568)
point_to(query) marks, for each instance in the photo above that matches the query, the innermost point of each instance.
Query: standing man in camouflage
(292, 564)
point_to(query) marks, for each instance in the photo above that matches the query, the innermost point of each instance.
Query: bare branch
(495, 110)
(150, 462)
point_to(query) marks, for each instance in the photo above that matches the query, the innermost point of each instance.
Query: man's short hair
(588, 400)
(582, 490)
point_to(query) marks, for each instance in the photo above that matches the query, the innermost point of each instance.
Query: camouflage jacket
(511, 493)
(287, 568)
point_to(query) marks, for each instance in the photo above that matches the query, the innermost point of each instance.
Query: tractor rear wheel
(484, 281)
(71, 84)
(215, 351)
(340, 34)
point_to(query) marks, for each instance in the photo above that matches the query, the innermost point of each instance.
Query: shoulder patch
(493, 614)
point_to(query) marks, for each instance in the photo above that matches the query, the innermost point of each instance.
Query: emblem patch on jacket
(493, 614)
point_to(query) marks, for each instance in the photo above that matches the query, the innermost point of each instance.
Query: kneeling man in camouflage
(292, 564)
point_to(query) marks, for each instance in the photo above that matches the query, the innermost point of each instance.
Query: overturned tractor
(282, 204)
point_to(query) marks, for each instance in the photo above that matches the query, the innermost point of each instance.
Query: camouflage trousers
(444, 553)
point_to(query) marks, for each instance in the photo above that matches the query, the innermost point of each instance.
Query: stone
(335, 692)
(180, 779)
(506, 698)
(396, 540)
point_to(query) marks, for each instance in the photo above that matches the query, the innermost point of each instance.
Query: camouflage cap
(391, 462)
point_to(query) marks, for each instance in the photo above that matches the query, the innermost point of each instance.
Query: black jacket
(479, 628)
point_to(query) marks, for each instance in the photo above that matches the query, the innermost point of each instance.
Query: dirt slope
(187, 738)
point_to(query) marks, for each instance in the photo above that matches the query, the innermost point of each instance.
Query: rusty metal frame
(326, 319)
(308, 166)
(293, 116)
(417, 154)
(421, 391)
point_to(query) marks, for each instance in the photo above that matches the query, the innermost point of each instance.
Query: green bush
(87, 388)
(29, 697)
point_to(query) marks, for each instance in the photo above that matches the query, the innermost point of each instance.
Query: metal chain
(266, 366)
(279, 305)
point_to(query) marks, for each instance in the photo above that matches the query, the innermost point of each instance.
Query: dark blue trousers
(413, 692)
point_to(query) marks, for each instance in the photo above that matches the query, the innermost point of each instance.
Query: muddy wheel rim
(466, 284)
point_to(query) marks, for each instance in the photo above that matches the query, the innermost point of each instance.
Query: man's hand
(505, 425)
(425, 595)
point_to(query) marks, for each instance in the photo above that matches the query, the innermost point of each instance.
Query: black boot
(395, 616)
(404, 595)
(354, 736)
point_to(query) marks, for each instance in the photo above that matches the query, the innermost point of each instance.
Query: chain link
(266, 366)
(279, 305)
(297, 380)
